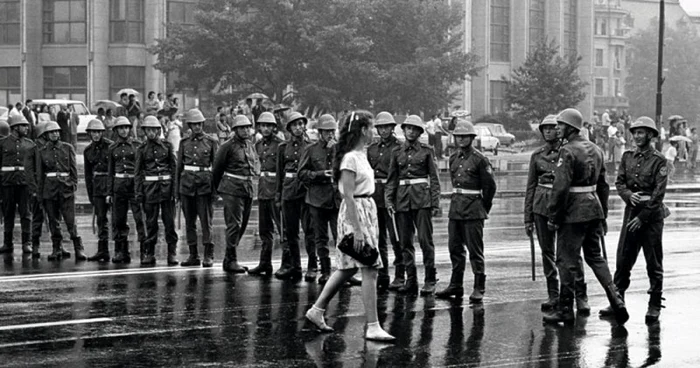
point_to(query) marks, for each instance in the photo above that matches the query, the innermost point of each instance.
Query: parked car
(485, 141)
(79, 112)
(498, 131)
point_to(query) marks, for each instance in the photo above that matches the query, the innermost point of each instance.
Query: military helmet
(150, 122)
(550, 120)
(326, 122)
(51, 126)
(414, 120)
(4, 128)
(40, 129)
(95, 124)
(571, 117)
(194, 116)
(645, 122)
(267, 118)
(295, 116)
(464, 128)
(241, 121)
(384, 118)
(121, 121)
(16, 119)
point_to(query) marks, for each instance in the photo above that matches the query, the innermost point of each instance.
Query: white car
(79, 112)
(485, 141)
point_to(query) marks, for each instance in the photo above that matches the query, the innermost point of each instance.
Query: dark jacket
(30, 165)
(267, 152)
(122, 160)
(644, 172)
(470, 169)
(539, 181)
(288, 157)
(379, 157)
(97, 179)
(321, 191)
(155, 158)
(56, 157)
(13, 153)
(197, 151)
(412, 161)
(237, 156)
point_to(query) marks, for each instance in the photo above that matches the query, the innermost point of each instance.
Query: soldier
(14, 149)
(472, 197)
(577, 210)
(413, 193)
(539, 187)
(122, 163)
(316, 172)
(641, 183)
(4, 129)
(268, 210)
(155, 183)
(57, 177)
(97, 181)
(379, 156)
(291, 193)
(36, 206)
(194, 161)
(235, 166)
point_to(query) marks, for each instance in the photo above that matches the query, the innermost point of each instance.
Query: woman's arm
(347, 189)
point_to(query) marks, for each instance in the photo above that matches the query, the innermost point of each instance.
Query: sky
(691, 6)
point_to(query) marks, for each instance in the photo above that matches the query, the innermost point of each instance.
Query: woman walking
(357, 216)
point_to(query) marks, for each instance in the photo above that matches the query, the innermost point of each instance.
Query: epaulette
(425, 145)
(211, 138)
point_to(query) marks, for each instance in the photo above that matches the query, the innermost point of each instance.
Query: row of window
(601, 60)
(601, 87)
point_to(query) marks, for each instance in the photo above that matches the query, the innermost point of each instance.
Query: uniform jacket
(379, 156)
(321, 191)
(267, 149)
(645, 172)
(412, 161)
(56, 157)
(200, 151)
(13, 153)
(470, 169)
(237, 156)
(542, 164)
(155, 158)
(97, 180)
(580, 163)
(288, 157)
(30, 165)
(122, 160)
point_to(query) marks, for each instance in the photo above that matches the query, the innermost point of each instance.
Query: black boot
(150, 258)
(56, 255)
(36, 244)
(193, 260)
(118, 252)
(399, 279)
(127, 253)
(102, 254)
(261, 270)
(7, 247)
(79, 250)
(64, 253)
(286, 264)
(208, 255)
(26, 243)
(654, 308)
(231, 262)
(265, 265)
(311, 269)
(582, 306)
(563, 313)
(479, 288)
(430, 281)
(553, 293)
(454, 289)
(411, 285)
(617, 303)
(143, 251)
(325, 271)
(172, 255)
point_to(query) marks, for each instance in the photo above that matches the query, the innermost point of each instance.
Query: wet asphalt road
(86, 314)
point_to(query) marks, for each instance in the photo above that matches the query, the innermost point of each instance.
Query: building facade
(611, 31)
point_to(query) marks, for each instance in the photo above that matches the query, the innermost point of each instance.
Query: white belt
(414, 181)
(123, 175)
(550, 186)
(290, 175)
(12, 168)
(465, 191)
(645, 198)
(57, 175)
(157, 177)
(197, 168)
(100, 173)
(380, 181)
(268, 174)
(239, 177)
(586, 189)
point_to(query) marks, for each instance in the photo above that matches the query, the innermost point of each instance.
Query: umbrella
(128, 91)
(280, 107)
(257, 95)
(675, 117)
(680, 138)
(461, 113)
(107, 104)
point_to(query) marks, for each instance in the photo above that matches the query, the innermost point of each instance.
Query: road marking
(57, 323)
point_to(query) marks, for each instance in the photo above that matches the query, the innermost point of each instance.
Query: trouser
(15, 199)
(101, 207)
(37, 218)
(547, 239)
(408, 221)
(471, 234)
(166, 210)
(386, 230)
(236, 214)
(321, 218)
(571, 238)
(193, 207)
(648, 238)
(671, 168)
(693, 156)
(268, 217)
(65, 207)
(437, 145)
(119, 220)
(296, 212)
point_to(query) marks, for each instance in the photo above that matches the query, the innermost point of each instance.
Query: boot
(399, 279)
(582, 306)
(56, 255)
(27, 248)
(265, 265)
(172, 254)
(231, 262)
(430, 281)
(311, 269)
(608, 311)
(64, 252)
(79, 250)
(451, 290)
(382, 282)
(193, 260)
(286, 264)
(209, 256)
(102, 254)
(142, 250)
(617, 303)
(563, 313)
(36, 243)
(553, 293)
(7, 247)
(479, 288)
(411, 285)
(325, 271)
(261, 270)
(149, 259)
(127, 254)
(118, 252)
(654, 309)
(288, 274)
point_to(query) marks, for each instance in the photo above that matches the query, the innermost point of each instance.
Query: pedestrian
(121, 168)
(35, 201)
(671, 157)
(641, 183)
(57, 176)
(96, 158)
(430, 130)
(439, 132)
(585, 132)
(235, 166)
(268, 210)
(257, 110)
(693, 153)
(358, 216)
(223, 129)
(413, 194)
(173, 131)
(472, 198)
(379, 156)
(577, 208)
(152, 104)
(618, 143)
(537, 195)
(63, 120)
(133, 113)
(155, 187)
(109, 125)
(316, 172)
(161, 101)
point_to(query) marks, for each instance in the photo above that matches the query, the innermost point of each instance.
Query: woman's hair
(350, 135)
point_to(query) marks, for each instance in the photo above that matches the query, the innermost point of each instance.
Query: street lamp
(660, 72)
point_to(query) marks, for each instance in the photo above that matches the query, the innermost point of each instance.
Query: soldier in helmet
(316, 172)
(57, 178)
(268, 210)
(472, 197)
(14, 149)
(235, 166)
(155, 187)
(641, 183)
(578, 207)
(122, 164)
(379, 156)
(413, 192)
(195, 158)
(97, 182)
(36, 206)
(539, 187)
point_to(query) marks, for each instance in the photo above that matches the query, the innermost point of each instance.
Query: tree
(545, 84)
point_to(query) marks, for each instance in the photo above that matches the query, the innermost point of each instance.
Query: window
(9, 86)
(69, 82)
(617, 62)
(9, 22)
(500, 30)
(603, 27)
(537, 22)
(64, 21)
(181, 11)
(600, 86)
(599, 57)
(126, 77)
(570, 26)
(126, 21)
(497, 96)
(616, 83)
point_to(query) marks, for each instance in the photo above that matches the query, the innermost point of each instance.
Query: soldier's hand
(605, 227)
(390, 209)
(436, 212)
(634, 225)
(108, 199)
(552, 226)
(635, 199)
(529, 228)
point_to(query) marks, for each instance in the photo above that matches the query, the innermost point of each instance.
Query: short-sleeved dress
(356, 161)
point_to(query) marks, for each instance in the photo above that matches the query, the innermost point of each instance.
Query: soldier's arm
(392, 181)
(180, 166)
(30, 169)
(530, 188)
(560, 187)
(621, 181)
(138, 173)
(110, 171)
(212, 152)
(219, 165)
(657, 196)
(434, 180)
(88, 176)
(603, 190)
(488, 184)
(173, 169)
(306, 171)
(39, 173)
(280, 171)
(72, 167)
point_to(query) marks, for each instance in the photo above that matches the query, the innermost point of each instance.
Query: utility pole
(660, 72)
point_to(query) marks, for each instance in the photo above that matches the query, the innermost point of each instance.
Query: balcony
(610, 102)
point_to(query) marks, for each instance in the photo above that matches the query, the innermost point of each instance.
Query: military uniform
(97, 181)
(15, 189)
(36, 203)
(268, 212)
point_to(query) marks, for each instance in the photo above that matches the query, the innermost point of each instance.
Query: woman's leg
(334, 283)
(369, 298)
